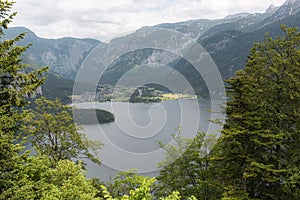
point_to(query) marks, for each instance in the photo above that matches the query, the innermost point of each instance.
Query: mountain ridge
(63, 55)
(228, 41)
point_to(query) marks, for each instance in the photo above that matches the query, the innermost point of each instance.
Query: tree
(67, 182)
(126, 181)
(143, 192)
(11, 158)
(187, 169)
(16, 83)
(259, 146)
(41, 181)
(23, 176)
(17, 80)
(52, 132)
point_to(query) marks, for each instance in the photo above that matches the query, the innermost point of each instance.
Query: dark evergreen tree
(17, 80)
(16, 83)
(259, 147)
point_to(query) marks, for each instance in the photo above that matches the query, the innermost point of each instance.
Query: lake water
(132, 140)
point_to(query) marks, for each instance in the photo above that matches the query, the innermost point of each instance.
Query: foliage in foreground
(40, 181)
(257, 156)
(259, 148)
(187, 168)
(50, 129)
(258, 153)
(23, 176)
(143, 192)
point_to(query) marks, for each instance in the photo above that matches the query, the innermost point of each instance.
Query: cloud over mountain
(105, 20)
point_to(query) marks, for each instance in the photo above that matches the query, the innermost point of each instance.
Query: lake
(131, 141)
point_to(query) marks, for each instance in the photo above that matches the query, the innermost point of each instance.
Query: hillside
(227, 40)
(229, 49)
(64, 56)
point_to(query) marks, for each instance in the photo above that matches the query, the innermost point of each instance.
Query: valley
(228, 42)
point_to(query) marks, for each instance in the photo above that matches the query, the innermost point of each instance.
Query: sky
(107, 19)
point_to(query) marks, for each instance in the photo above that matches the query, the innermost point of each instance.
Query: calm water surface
(132, 140)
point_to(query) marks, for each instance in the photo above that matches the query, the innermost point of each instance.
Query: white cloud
(105, 20)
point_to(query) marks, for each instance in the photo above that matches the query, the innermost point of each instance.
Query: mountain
(229, 49)
(228, 41)
(192, 28)
(290, 7)
(57, 87)
(203, 27)
(244, 22)
(64, 56)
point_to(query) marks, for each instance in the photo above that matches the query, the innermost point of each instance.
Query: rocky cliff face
(64, 56)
